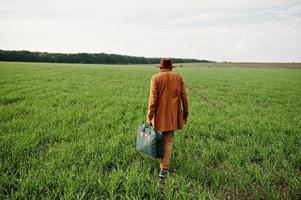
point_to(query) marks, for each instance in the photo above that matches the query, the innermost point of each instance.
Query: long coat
(168, 103)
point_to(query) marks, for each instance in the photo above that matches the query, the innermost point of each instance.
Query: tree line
(91, 58)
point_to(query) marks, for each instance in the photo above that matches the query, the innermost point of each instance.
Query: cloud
(250, 30)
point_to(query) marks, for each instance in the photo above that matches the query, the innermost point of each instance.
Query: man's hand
(149, 122)
(185, 117)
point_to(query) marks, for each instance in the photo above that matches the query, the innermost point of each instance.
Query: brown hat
(166, 63)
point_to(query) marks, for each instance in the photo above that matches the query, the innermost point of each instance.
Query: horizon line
(215, 60)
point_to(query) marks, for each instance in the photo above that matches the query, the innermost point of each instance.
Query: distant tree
(94, 58)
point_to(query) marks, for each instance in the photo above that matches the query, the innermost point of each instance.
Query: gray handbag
(149, 141)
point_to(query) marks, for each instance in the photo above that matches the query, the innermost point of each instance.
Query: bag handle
(148, 124)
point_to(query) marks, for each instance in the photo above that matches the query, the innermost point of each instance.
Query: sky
(218, 30)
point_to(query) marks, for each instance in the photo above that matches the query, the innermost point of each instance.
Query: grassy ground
(68, 131)
(245, 65)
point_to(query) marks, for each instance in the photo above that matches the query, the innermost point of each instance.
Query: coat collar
(165, 70)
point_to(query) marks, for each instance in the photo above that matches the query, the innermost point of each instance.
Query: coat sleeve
(152, 103)
(184, 99)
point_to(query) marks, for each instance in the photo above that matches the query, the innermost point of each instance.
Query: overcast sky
(228, 30)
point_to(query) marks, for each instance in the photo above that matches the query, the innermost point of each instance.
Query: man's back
(169, 100)
(168, 82)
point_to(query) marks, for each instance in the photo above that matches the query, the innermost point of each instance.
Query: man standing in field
(168, 108)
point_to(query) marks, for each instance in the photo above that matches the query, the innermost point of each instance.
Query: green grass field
(68, 131)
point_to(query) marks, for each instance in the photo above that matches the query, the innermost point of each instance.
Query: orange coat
(168, 103)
